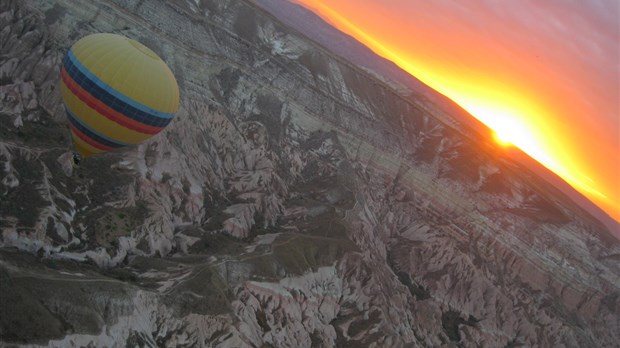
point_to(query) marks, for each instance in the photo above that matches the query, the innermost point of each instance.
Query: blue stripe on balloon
(91, 133)
(114, 92)
(111, 97)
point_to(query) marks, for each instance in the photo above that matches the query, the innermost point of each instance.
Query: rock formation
(297, 200)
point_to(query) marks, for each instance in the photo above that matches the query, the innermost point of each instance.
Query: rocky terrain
(297, 200)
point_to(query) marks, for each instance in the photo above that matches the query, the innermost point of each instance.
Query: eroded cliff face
(295, 200)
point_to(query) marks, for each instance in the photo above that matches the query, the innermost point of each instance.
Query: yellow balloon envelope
(116, 91)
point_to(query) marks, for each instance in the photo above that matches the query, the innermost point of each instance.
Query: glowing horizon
(529, 99)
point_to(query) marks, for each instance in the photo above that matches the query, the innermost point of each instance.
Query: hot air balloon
(116, 93)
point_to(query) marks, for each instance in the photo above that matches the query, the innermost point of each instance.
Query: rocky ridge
(296, 200)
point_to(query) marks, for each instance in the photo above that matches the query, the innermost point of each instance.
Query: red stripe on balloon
(105, 110)
(89, 140)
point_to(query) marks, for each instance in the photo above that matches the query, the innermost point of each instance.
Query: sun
(506, 127)
(503, 138)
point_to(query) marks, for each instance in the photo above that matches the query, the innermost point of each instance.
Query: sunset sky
(544, 74)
